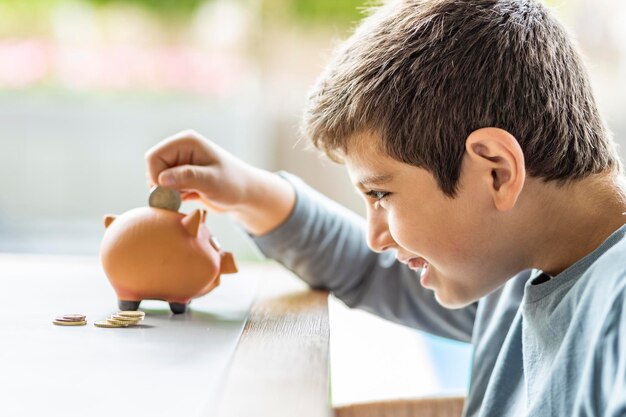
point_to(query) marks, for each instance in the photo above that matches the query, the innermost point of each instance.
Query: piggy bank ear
(108, 219)
(191, 222)
(227, 263)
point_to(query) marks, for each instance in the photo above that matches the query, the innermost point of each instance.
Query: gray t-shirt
(543, 346)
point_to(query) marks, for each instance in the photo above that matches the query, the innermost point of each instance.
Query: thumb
(187, 177)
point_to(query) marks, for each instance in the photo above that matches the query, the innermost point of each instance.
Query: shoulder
(609, 288)
(614, 259)
(600, 293)
(607, 274)
(605, 367)
(610, 352)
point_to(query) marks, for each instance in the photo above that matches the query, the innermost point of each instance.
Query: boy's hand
(200, 169)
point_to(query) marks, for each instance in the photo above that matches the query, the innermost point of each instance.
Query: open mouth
(417, 263)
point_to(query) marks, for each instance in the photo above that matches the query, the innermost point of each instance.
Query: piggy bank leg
(128, 305)
(178, 308)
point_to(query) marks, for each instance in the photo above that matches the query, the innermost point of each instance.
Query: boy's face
(456, 239)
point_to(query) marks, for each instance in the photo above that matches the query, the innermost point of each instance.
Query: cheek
(441, 234)
(410, 230)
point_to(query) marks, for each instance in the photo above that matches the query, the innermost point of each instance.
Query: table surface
(193, 363)
(281, 366)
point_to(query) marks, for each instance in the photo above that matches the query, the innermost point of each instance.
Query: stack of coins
(122, 319)
(71, 320)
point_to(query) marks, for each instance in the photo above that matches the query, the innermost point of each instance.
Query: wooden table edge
(281, 364)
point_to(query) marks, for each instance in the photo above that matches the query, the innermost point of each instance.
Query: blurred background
(87, 86)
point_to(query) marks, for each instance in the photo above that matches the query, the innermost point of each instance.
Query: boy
(471, 130)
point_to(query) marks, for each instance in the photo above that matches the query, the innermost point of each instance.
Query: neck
(574, 219)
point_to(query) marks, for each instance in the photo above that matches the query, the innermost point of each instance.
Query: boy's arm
(324, 244)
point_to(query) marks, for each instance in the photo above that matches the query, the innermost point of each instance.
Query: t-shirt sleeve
(324, 244)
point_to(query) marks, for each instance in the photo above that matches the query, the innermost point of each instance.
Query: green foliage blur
(163, 7)
(311, 11)
(158, 6)
(321, 11)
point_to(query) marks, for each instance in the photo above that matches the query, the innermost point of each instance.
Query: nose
(378, 236)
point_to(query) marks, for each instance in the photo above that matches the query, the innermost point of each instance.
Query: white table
(189, 365)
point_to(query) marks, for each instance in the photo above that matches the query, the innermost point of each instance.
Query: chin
(448, 293)
(451, 301)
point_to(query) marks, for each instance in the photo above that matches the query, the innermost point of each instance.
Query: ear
(202, 216)
(227, 263)
(499, 159)
(191, 222)
(108, 219)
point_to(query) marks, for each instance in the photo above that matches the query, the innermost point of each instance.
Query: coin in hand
(165, 198)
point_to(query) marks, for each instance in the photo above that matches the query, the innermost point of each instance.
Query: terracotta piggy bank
(153, 253)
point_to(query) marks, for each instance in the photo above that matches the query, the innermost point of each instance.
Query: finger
(187, 196)
(190, 178)
(186, 147)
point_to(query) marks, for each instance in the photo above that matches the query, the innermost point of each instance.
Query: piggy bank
(159, 254)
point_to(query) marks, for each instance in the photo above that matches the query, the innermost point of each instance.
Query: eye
(377, 195)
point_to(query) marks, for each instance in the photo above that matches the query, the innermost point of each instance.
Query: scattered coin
(118, 322)
(106, 324)
(77, 317)
(165, 198)
(70, 323)
(122, 319)
(126, 319)
(64, 319)
(70, 320)
(133, 314)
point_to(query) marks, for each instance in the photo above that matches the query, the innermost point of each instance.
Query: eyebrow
(379, 179)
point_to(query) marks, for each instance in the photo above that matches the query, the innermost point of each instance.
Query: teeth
(417, 263)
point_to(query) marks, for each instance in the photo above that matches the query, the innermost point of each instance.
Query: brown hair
(424, 74)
